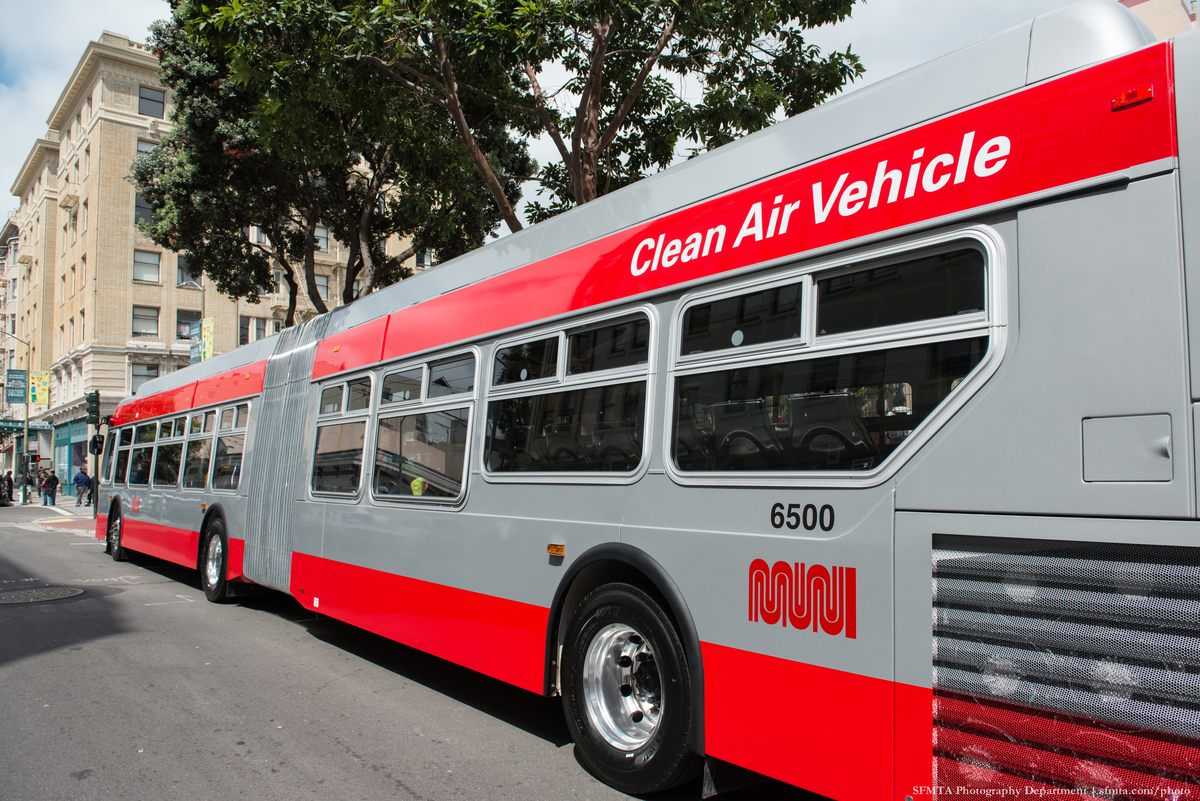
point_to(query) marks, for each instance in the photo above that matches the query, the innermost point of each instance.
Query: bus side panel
(500, 638)
(1101, 335)
(178, 545)
(789, 697)
(1186, 47)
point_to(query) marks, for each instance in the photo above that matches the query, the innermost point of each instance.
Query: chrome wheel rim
(212, 563)
(622, 687)
(114, 534)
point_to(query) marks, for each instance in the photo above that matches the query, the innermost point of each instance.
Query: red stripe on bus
(101, 526)
(234, 559)
(231, 385)
(977, 780)
(362, 344)
(1081, 737)
(1103, 779)
(1058, 133)
(178, 545)
(495, 636)
(914, 721)
(821, 729)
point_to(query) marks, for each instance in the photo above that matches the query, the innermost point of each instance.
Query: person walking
(50, 488)
(83, 485)
(8, 485)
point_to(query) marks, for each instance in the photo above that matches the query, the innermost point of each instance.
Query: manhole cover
(38, 594)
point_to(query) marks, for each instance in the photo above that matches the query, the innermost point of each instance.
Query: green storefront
(70, 452)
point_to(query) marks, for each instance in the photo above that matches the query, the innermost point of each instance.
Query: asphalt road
(138, 688)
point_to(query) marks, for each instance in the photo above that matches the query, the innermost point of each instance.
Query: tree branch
(544, 114)
(619, 118)
(383, 68)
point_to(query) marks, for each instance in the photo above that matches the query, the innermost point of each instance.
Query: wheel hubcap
(114, 535)
(212, 565)
(622, 687)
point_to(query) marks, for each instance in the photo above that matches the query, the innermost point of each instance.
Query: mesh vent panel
(1069, 667)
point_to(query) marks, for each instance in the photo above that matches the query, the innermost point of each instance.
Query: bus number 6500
(807, 515)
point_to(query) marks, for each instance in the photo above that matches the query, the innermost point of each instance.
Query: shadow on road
(534, 714)
(43, 626)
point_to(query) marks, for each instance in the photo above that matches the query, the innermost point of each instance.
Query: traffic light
(93, 408)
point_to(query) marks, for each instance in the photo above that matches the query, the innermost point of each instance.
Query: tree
(749, 58)
(209, 180)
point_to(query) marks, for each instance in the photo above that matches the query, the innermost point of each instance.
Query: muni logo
(816, 596)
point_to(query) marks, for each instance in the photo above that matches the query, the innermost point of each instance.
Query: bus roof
(1047, 46)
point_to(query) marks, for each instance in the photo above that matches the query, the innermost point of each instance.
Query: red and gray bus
(859, 453)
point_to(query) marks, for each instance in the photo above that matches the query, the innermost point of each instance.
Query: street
(138, 688)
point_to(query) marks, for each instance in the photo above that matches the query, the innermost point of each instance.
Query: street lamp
(25, 441)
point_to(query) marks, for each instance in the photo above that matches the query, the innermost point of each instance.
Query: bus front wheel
(115, 550)
(214, 562)
(627, 692)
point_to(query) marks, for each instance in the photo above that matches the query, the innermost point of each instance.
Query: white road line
(164, 603)
(60, 511)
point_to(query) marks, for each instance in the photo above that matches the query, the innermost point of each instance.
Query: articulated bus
(858, 453)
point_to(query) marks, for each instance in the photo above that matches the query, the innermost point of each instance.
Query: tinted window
(594, 429)
(197, 424)
(452, 376)
(421, 455)
(402, 386)
(359, 394)
(126, 436)
(331, 400)
(147, 433)
(195, 464)
(226, 419)
(228, 464)
(243, 416)
(108, 454)
(337, 464)
(139, 466)
(618, 344)
(122, 467)
(843, 412)
(923, 289)
(766, 315)
(180, 425)
(526, 362)
(166, 468)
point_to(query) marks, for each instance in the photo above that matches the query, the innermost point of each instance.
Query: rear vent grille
(1066, 669)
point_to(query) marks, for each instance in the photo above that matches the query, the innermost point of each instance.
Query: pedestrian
(8, 484)
(83, 486)
(51, 488)
(41, 485)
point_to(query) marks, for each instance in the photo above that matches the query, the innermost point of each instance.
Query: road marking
(60, 511)
(123, 579)
(164, 603)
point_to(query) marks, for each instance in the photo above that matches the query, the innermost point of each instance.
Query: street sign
(39, 387)
(194, 336)
(11, 426)
(14, 386)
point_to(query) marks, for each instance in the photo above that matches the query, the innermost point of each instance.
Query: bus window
(451, 376)
(402, 386)
(109, 443)
(421, 455)
(358, 394)
(122, 467)
(844, 412)
(227, 416)
(180, 425)
(166, 465)
(210, 419)
(337, 463)
(331, 400)
(195, 463)
(932, 287)
(146, 433)
(610, 345)
(126, 437)
(227, 467)
(598, 429)
(526, 362)
(197, 424)
(765, 315)
(243, 416)
(139, 466)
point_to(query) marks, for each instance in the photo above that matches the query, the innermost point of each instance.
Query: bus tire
(118, 553)
(626, 691)
(214, 563)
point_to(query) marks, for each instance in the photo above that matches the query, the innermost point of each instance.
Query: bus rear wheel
(214, 563)
(627, 692)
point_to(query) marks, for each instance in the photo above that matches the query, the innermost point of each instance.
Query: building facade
(1165, 18)
(102, 306)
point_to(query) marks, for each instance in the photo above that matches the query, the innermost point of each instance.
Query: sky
(43, 41)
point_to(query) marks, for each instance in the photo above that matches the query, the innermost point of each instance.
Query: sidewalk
(78, 524)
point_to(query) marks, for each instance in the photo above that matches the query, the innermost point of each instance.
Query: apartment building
(102, 306)
(1165, 18)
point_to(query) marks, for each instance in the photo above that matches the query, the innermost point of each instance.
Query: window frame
(189, 438)
(992, 323)
(143, 88)
(424, 405)
(563, 382)
(343, 417)
(233, 431)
